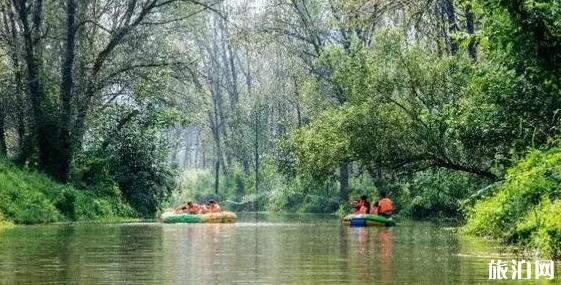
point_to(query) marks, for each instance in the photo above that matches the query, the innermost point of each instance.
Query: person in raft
(385, 206)
(213, 207)
(363, 206)
(375, 208)
(354, 206)
(189, 208)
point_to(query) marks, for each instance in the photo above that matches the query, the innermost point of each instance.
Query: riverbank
(29, 197)
(525, 209)
(5, 224)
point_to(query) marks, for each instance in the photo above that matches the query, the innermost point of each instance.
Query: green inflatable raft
(367, 220)
(222, 217)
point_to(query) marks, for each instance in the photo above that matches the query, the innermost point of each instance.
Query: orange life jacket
(386, 206)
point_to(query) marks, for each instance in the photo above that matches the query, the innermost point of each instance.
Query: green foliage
(30, 198)
(438, 194)
(428, 194)
(142, 173)
(93, 172)
(522, 43)
(525, 208)
(4, 223)
(130, 157)
(406, 110)
(304, 194)
(276, 193)
(198, 185)
(544, 226)
(322, 145)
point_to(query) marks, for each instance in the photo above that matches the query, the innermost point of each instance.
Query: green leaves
(29, 198)
(406, 110)
(323, 144)
(525, 208)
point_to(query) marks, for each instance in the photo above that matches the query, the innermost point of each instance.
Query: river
(261, 249)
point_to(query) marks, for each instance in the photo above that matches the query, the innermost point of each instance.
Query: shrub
(438, 193)
(28, 197)
(25, 197)
(139, 165)
(525, 209)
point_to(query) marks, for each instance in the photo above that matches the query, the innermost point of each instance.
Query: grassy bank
(526, 209)
(5, 224)
(28, 197)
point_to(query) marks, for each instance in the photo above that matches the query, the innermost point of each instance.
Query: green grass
(29, 197)
(4, 224)
(526, 209)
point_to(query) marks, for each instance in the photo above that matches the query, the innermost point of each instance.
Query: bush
(525, 209)
(3, 223)
(135, 169)
(25, 197)
(28, 197)
(139, 165)
(100, 195)
(438, 193)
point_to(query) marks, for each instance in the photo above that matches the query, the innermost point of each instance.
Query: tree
(92, 61)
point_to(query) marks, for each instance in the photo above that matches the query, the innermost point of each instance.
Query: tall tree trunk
(4, 29)
(256, 154)
(203, 159)
(216, 176)
(23, 139)
(470, 29)
(234, 79)
(217, 148)
(3, 148)
(24, 147)
(449, 10)
(189, 148)
(37, 23)
(229, 62)
(344, 168)
(43, 126)
(441, 30)
(196, 162)
(65, 139)
(297, 102)
(133, 17)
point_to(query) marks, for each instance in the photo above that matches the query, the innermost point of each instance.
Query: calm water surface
(263, 249)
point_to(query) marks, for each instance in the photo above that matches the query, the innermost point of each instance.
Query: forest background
(118, 108)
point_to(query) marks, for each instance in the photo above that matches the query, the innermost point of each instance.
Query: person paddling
(193, 208)
(213, 207)
(375, 209)
(385, 205)
(189, 208)
(363, 205)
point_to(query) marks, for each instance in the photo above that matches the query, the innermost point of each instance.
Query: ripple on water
(256, 250)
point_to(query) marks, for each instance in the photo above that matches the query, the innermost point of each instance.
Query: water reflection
(370, 254)
(92, 253)
(287, 250)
